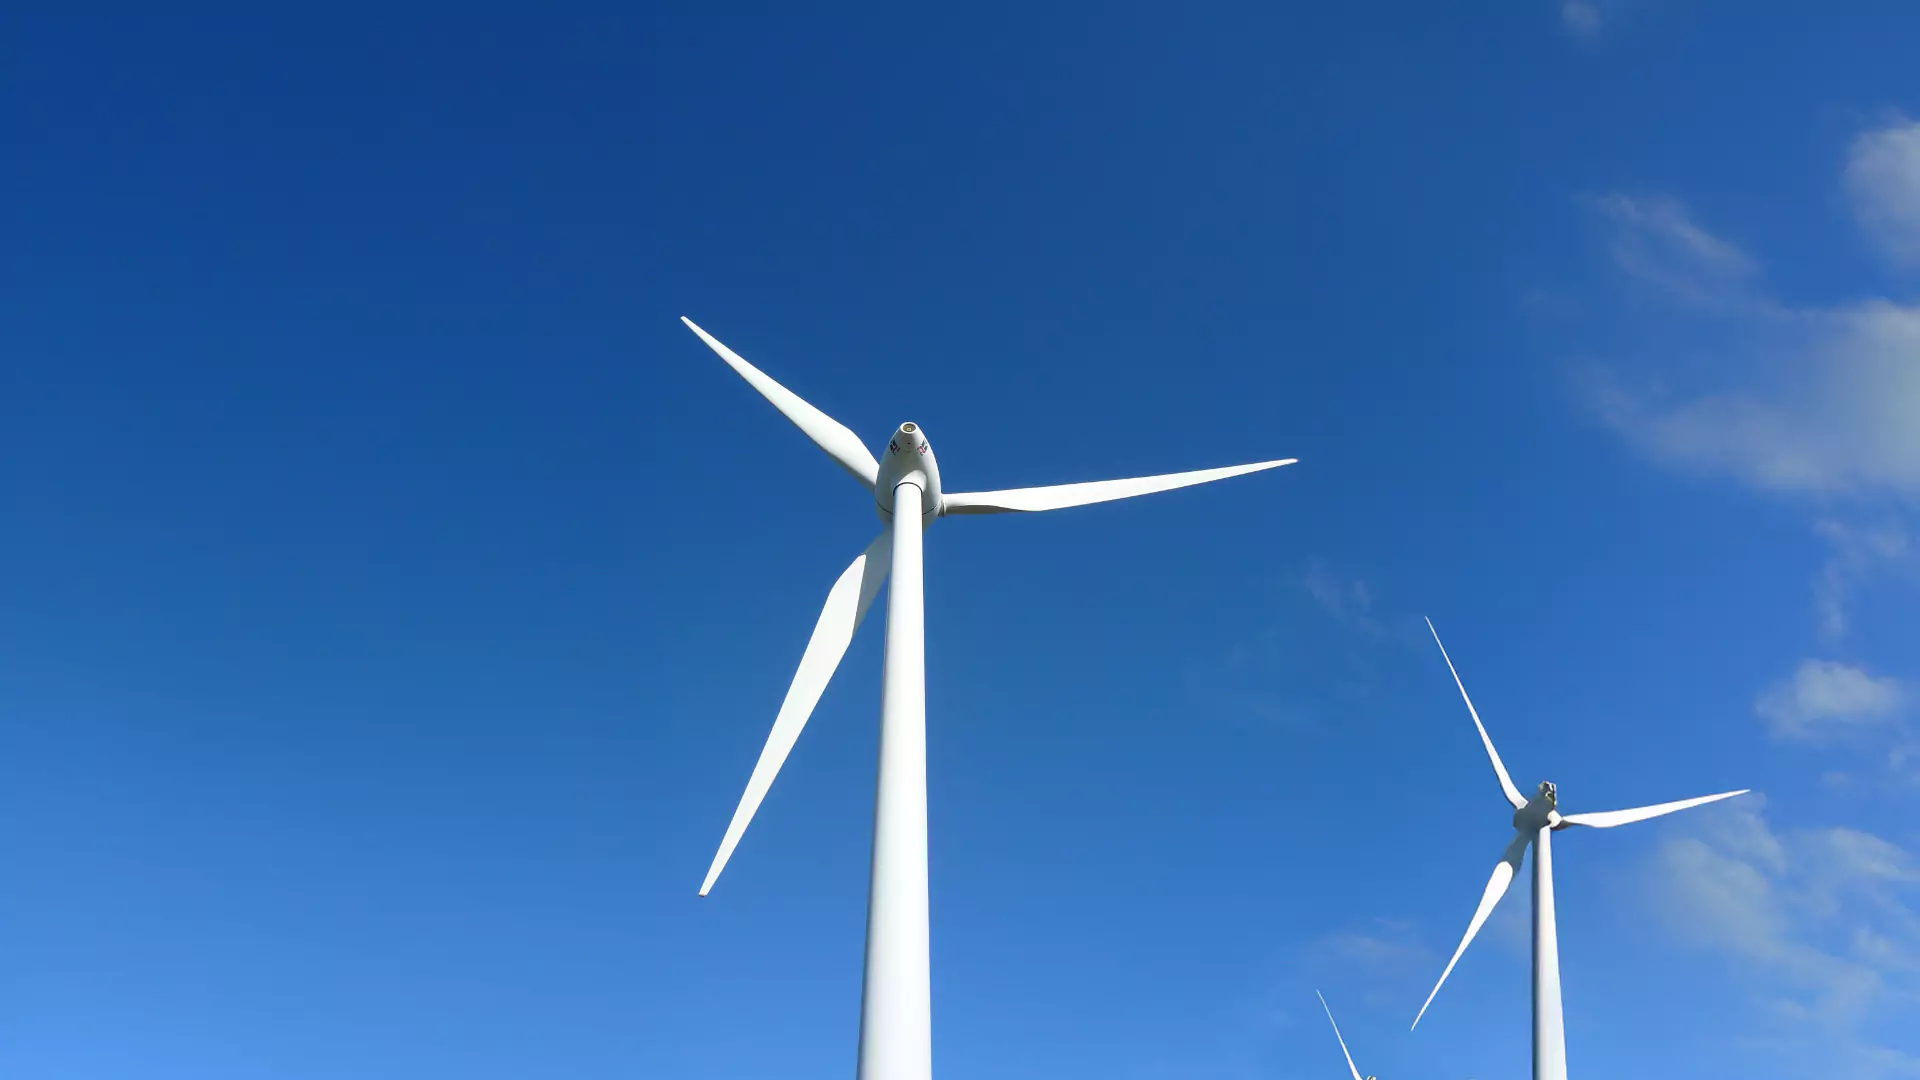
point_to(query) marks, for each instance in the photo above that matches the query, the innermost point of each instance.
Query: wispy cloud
(1883, 184)
(1348, 599)
(1386, 947)
(1384, 960)
(1839, 415)
(1821, 924)
(1824, 698)
(1827, 703)
(1580, 17)
(1819, 404)
(1858, 553)
(1656, 239)
(1804, 400)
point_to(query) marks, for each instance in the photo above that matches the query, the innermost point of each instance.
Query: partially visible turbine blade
(829, 434)
(847, 604)
(1500, 770)
(1351, 1067)
(1607, 819)
(1060, 496)
(1503, 875)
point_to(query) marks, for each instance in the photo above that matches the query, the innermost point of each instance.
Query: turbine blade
(1607, 819)
(1060, 496)
(827, 433)
(1503, 875)
(1499, 769)
(846, 605)
(1351, 1067)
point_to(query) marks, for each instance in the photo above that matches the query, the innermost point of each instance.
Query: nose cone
(909, 439)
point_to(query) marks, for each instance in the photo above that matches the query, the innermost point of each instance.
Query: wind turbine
(1535, 821)
(1336, 1034)
(896, 1023)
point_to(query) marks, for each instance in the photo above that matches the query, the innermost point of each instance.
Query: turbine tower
(1535, 821)
(896, 1022)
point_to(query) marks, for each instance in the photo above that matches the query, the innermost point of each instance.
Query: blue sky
(397, 596)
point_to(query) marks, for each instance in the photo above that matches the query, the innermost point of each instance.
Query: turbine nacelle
(908, 460)
(1541, 812)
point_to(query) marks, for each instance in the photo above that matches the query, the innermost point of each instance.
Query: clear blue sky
(396, 596)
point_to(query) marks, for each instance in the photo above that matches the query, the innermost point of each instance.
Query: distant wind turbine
(896, 1017)
(1535, 821)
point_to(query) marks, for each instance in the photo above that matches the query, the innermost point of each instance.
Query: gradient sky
(397, 596)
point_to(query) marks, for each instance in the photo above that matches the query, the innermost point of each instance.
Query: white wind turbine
(895, 1007)
(1535, 821)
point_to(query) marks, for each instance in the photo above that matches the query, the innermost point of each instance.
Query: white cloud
(1580, 17)
(1821, 924)
(1883, 182)
(1824, 697)
(1811, 401)
(1828, 703)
